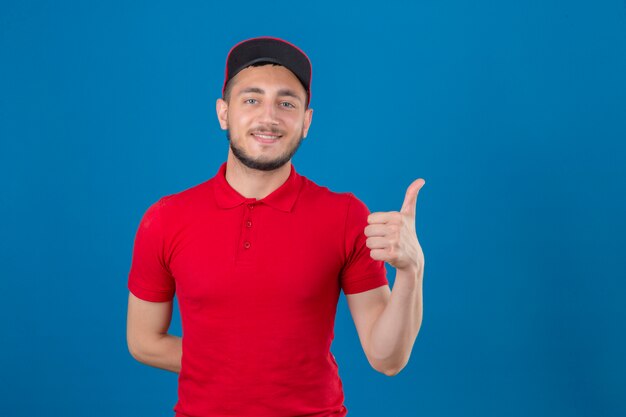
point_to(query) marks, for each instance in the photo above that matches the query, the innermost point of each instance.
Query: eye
(287, 105)
(250, 101)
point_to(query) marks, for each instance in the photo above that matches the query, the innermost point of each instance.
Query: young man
(257, 256)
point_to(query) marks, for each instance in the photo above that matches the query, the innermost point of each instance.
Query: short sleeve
(149, 277)
(360, 272)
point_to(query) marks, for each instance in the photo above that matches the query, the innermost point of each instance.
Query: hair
(229, 84)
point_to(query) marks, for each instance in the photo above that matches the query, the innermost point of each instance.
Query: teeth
(266, 136)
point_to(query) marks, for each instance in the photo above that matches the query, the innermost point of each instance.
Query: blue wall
(513, 112)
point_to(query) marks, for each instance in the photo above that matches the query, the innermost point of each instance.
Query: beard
(262, 164)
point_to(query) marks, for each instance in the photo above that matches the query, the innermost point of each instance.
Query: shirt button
(246, 245)
(250, 206)
(249, 223)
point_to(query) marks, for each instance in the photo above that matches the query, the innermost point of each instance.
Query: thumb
(410, 198)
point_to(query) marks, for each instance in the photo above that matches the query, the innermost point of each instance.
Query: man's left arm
(388, 321)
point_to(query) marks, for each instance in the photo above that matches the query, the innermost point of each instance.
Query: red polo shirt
(257, 283)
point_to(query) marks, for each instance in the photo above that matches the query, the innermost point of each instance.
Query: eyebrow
(281, 93)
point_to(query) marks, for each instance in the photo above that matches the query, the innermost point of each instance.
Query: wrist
(410, 278)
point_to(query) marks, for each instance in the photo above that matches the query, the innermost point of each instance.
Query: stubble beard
(263, 165)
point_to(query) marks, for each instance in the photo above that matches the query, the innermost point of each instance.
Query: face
(265, 117)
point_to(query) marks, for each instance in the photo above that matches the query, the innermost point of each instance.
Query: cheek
(295, 124)
(238, 122)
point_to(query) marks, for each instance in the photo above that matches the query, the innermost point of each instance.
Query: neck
(252, 183)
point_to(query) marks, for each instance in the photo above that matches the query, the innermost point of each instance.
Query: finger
(379, 254)
(410, 198)
(376, 230)
(381, 217)
(377, 242)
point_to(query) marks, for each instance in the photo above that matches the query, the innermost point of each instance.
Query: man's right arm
(146, 334)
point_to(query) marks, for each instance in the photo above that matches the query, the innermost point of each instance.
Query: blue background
(513, 112)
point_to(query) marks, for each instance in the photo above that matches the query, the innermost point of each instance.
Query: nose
(269, 114)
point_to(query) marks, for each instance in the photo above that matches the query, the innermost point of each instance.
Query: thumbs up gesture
(391, 235)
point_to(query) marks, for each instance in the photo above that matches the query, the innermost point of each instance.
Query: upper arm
(146, 321)
(365, 307)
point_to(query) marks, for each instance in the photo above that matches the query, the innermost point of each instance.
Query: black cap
(268, 49)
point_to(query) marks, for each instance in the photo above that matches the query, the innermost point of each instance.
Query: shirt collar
(283, 198)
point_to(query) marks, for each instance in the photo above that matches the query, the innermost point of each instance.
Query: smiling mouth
(266, 137)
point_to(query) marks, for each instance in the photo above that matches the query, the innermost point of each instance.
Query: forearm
(164, 352)
(394, 332)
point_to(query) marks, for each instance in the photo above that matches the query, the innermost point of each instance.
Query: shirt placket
(246, 248)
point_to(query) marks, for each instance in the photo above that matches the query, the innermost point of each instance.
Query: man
(257, 256)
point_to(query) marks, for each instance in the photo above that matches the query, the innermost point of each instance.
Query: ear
(308, 117)
(221, 108)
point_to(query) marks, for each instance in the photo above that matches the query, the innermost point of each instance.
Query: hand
(391, 235)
